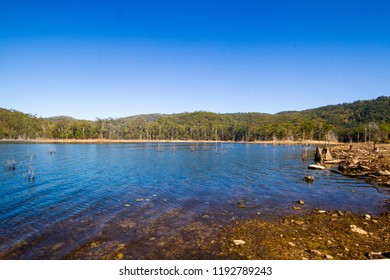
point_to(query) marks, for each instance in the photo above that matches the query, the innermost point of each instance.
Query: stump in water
(323, 154)
(328, 154)
(318, 155)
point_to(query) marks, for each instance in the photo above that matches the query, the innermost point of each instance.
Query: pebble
(367, 217)
(291, 244)
(316, 252)
(328, 257)
(321, 211)
(296, 208)
(358, 230)
(238, 242)
(119, 256)
(301, 202)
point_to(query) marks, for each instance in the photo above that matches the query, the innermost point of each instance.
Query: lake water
(81, 191)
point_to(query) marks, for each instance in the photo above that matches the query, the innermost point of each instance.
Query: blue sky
(90, 59)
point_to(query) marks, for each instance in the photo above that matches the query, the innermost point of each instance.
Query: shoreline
(364, 161)
(130, 141)
(312, 235)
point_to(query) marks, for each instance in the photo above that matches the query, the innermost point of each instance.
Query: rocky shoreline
(367, 161)
(317, 235)
(321, 234)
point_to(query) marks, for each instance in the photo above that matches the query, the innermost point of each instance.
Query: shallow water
(81, 189)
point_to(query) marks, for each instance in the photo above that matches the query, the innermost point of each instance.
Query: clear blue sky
(91, 59)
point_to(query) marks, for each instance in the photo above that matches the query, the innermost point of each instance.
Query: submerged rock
(242, 204)
(309, 179)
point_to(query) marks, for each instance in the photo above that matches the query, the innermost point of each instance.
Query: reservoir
(55, 198)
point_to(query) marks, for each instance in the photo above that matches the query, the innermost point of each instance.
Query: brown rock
(358, 230)
(309, 179)
(238, 242)
(315, 252)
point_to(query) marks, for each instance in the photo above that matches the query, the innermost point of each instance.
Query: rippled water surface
(81, 188)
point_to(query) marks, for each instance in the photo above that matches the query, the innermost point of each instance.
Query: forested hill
(357, 121)
(356, 113)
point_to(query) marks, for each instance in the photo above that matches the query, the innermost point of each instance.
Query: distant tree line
(358, 121)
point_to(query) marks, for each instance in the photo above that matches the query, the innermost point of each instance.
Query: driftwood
(316, 166)
(335, 161)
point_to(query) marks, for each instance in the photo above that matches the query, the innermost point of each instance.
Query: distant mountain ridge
(147, 117)
(59, 118)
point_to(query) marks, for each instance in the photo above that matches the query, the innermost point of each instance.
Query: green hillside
(356, 113)
(358, 121)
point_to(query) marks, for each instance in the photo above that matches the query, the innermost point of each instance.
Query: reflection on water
(80, 191)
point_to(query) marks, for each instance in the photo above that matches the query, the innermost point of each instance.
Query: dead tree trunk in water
(318, 155)
(323, 154)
